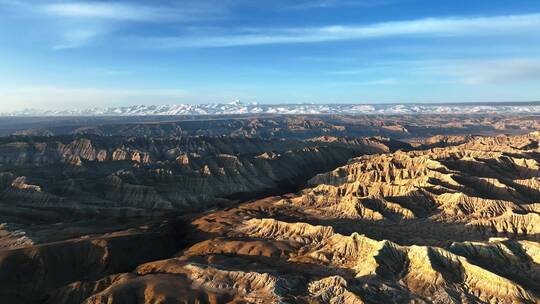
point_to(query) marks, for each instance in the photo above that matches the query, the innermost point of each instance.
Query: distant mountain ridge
(238, 107)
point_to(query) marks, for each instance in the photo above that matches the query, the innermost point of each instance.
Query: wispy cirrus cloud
(367, 82)
(428, 27)
(473, 72)
(322, 4)
(74, 24)
(68, 97)
(497, 71)
(329, 59)
(125, 11)
(79, 36)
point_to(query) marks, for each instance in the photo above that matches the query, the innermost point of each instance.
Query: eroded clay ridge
(447, 225)
(272, 126)
(64, 180)
(186, 172)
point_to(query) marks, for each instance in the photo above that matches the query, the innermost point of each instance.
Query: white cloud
(429, 27)
(497, 71)
(369, 82)
(331, 59)
(72, 98)
(474, 71)
(74, 24)
(501, 71)
(114, 72)
(322, 4)
(119, 11)
(77, 37)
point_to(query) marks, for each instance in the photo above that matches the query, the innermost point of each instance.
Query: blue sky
(79, 54)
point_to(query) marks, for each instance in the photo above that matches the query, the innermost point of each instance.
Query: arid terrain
(271, 209)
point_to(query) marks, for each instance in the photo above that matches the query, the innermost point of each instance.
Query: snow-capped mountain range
(238, 107)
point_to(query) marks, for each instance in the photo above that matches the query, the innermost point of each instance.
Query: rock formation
(453, 220)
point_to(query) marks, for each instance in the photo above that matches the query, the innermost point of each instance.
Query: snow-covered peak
(238, 107)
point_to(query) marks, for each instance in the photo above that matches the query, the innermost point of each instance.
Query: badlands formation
(237, 219)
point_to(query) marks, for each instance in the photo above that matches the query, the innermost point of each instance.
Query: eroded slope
(93, 184)
(447, 225)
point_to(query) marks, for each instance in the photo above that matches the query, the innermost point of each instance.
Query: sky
(81, 54)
